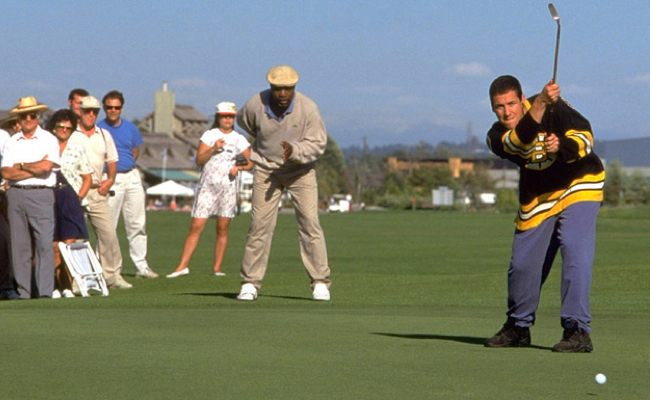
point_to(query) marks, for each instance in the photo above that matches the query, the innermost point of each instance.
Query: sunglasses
(63, 127)
(118, 108)
(90, 110)
(32, 115)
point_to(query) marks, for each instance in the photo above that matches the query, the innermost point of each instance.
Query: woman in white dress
(217, 192)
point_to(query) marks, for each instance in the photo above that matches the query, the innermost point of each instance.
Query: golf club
(557, 41)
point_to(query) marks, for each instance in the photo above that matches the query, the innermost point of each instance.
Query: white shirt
(100, 149)
(4, 136)
(42, 145)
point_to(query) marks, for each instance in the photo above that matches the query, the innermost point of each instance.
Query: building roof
(189, 113)
(157, 145)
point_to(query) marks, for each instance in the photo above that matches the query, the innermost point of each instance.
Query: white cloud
(470, 69)
(644, 79)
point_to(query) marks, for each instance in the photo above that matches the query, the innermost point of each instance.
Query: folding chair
(84, 267)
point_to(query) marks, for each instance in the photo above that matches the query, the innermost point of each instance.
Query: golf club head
(554, 14)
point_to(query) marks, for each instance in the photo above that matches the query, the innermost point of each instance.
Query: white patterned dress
(216, 194)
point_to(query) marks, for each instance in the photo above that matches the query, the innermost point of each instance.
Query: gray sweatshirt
(303, 128)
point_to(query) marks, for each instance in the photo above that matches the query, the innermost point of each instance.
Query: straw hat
(226, 108)
(8, 122)
(26, 105)
(283, 76)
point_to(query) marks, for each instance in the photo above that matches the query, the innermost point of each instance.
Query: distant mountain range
(631, 152)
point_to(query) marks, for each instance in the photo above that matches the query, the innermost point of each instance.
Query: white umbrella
(170, 188)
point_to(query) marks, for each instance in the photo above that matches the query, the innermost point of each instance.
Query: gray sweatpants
(573, 232)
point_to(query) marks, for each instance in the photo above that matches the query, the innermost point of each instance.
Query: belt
(31, 187)
(126, 171)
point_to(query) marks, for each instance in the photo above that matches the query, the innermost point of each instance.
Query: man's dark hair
(504, 84)
(64, 114)
(113, 94)
(78, 92)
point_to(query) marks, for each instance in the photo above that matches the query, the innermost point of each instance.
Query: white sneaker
(120, 283)
(56, 294)
(321, 292)
(67, 293)
(248, 292)
(147, 273)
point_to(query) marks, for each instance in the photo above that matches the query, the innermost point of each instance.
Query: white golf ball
(601, 379)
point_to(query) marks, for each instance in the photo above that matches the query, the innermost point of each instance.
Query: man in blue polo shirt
(129, 196)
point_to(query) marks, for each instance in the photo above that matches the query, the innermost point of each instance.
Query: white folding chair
(84, 267)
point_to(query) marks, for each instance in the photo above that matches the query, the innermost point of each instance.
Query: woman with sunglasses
(73, 181)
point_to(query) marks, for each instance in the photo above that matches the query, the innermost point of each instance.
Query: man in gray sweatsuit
(289, 136)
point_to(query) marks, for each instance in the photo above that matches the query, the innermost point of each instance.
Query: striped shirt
(549, 183)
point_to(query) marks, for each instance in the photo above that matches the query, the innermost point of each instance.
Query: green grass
(414, 295)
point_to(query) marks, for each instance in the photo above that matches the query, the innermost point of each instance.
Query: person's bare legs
(62, 278)
(198, 224)
(223, 224)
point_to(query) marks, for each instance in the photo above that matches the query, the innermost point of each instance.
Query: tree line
(365, 175)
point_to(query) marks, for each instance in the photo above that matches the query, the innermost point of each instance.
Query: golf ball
(601, 379)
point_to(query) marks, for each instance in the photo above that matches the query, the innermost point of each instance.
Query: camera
(240, 160)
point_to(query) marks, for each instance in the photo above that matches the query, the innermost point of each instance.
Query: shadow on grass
(233, 296)
(478, 341)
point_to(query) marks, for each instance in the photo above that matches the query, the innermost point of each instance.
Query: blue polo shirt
(126, 137)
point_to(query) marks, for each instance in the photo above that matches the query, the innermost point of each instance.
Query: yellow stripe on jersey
(584, 139)
(586, 188)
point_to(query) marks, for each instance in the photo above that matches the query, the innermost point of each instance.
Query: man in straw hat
(289, 137)
(27, 162)
(101, 151)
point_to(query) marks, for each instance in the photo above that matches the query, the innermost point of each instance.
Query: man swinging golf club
(560, 190)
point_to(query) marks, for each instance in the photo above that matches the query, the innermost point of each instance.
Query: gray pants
(573, 232)
(267, 188)
(6, 272)
(31, 217)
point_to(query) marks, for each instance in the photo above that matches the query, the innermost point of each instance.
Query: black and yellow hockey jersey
(549, 183)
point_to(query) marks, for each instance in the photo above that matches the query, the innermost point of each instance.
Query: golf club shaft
(556, 17)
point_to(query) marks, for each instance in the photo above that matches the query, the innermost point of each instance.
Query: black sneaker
(510, 336)
(574, 340)
(8, 294)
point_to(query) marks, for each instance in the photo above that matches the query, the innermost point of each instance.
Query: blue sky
(394, 71)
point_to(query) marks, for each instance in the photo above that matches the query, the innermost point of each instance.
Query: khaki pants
(108, 246)
(267, 189)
